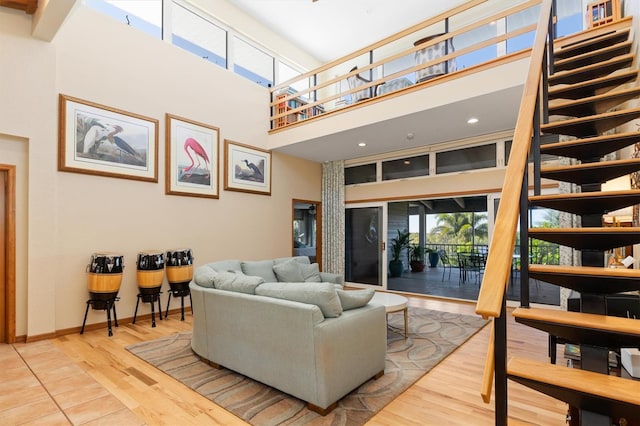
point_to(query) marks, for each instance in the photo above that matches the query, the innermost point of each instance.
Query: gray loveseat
(310, 339)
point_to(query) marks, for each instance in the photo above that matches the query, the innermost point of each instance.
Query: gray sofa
(310, 339)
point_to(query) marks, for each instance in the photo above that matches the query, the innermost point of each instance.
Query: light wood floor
(92, 379)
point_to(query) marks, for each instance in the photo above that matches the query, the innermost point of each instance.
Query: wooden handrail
(489, 367)
(431, 21)
(327, 83)
(373, 83)
(498, 265)
(467, 28)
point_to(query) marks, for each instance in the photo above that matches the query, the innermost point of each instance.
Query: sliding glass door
(364, 237)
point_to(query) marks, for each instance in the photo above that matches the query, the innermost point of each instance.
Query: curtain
(333, 217)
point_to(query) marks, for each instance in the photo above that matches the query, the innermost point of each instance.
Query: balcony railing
(469, 38)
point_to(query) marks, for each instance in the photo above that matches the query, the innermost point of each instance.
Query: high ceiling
(330, 29)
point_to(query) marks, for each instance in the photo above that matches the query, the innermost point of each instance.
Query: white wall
(72, 215)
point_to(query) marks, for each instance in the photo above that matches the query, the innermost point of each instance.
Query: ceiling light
(472, 120)
(362, 144)
(407, 162)
(410, 136)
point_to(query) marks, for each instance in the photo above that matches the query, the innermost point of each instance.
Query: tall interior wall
(65, 217)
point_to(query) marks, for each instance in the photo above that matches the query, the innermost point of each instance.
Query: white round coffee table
(393, 303)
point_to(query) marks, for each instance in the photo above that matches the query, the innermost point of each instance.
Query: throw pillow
(204, 276)
(239, 283)
(352, 299)
(226, 265)
(260, 268)
(323, 295)
(311, 273)
(289, 271)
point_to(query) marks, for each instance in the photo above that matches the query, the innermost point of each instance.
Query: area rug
(433, 335)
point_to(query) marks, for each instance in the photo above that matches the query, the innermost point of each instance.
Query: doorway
(307, 230)
(7, 254)
(364, 250)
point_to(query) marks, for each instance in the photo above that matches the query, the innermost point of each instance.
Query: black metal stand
(179, 290)
(151, 296)
(102, 305)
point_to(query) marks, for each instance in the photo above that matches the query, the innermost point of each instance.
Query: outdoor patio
(430, 282)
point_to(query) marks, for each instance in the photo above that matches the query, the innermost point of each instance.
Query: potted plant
(398, 244)
(416, 257)
(434, 257)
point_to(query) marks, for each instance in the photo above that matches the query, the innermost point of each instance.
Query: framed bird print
(192, 158)
(99, 140)
(247, 169)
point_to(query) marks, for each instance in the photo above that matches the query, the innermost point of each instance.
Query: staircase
(595, 75)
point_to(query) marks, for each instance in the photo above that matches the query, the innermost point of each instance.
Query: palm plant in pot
(416, 257)
(398, 244)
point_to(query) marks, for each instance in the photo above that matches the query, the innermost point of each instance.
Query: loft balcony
(427, 80)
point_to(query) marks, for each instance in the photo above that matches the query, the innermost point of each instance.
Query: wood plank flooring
(93, 379)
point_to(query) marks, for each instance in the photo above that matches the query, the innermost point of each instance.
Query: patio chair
(471, 264)
(446, 263)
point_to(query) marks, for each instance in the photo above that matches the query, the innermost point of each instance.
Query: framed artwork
(247, 169)
(192, 158)
(104, 141)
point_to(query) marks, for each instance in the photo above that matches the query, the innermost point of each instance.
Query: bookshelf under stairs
(594, 77)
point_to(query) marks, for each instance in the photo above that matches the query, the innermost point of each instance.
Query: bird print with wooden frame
(192, 158)
(246, 168)
(99, 140)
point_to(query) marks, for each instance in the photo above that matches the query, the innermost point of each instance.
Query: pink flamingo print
(190, 144)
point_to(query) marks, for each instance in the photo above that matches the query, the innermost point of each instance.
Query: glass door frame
(382, 253)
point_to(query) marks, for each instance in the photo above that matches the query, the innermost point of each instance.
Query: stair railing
(491, 299)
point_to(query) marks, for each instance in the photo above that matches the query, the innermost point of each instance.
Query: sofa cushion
(289, 271)
(352, 299)
(260, 268)
(239, 283)
(323, 295)
(300, 259)
(226, 265)
(204, 276)
(311, 273)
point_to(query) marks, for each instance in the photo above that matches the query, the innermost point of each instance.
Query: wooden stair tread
(592, 71)
(586, 231)
(589, 87)
(591, 43)
(581, 319)
(588, 104)
(588, 126)
(585, 271)
(588, 202)
(596, 172)
(601, 385)
(601, 164)
(586, 148)
(588, 238)
(588, 279)
(593, 56)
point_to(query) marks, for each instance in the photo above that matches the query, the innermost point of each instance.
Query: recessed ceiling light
(472, 120)
(362, 144)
